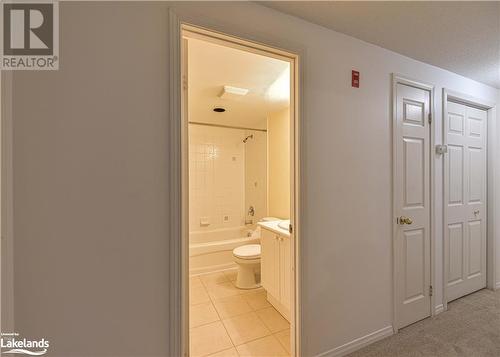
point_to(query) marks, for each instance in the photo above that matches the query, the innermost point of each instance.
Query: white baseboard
(438, 309)
(358, 343)
(497, 285)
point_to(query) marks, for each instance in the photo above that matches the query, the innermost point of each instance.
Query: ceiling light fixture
(229, 92)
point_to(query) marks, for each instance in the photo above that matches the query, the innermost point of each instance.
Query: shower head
(248, 137)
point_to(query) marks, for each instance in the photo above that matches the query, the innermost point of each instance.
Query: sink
(284, 224)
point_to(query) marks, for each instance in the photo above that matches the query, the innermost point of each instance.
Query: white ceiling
(462, 37)
(211, 66)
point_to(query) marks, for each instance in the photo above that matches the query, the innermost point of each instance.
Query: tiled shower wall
(226, 177)
(216, 178)
(256, 174)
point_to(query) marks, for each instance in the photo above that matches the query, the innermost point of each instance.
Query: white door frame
(400, 79)
(179, 211)
(491, 245)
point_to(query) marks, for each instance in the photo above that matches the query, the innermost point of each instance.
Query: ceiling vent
(229, 92)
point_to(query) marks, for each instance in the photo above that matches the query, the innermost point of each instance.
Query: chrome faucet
(251, 211)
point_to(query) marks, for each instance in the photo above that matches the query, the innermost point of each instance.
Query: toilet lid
(249, 251)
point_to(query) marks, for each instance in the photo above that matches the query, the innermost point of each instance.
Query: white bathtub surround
(216, 178)
(227, 176)
(211, 251)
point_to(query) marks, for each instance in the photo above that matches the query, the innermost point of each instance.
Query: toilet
(247, 257)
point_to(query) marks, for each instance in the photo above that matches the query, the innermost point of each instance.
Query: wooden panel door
(412, 204)
(465, 200)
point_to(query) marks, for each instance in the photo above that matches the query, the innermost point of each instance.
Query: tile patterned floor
(226, 321)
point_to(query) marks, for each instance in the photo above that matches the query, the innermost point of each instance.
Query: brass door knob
(404, 220)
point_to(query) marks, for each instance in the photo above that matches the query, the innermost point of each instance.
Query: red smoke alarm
(355, 79)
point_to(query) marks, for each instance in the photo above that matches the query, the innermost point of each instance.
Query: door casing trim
(178, 311)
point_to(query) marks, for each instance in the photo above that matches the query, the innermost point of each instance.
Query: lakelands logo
(30, 35)
(10, 343)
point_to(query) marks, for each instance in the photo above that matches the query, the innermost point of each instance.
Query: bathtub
(211, 251)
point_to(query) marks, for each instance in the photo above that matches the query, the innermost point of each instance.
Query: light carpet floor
(470, 328)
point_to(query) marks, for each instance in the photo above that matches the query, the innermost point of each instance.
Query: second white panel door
(465, 200)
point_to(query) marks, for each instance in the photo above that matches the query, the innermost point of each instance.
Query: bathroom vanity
(276, 266)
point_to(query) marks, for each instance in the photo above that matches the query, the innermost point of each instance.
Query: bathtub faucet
(251, 211)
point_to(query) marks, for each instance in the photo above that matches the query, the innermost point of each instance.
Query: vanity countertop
(273, 226)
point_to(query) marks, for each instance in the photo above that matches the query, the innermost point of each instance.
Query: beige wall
(91, 174)
(7, 251)
(278, 139)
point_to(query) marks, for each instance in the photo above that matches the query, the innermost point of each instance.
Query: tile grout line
(273, 333)
(254, 311)
(223, 325)
(220, 320)
(281, 343)
(265, 325)
(212, 301)
(229, 335)
(235, 345)
(252, 340)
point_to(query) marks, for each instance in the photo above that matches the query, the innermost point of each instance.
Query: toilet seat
(248, 251)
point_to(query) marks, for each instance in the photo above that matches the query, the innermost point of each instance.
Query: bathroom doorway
(240, 173)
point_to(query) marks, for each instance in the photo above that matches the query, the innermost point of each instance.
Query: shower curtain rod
(226, 126)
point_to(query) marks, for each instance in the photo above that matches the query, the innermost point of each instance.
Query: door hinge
(430, 118)
(290, 228)
(441, 149)
(430, 290)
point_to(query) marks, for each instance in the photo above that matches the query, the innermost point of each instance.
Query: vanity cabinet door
(285, 271)
(269, 260)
